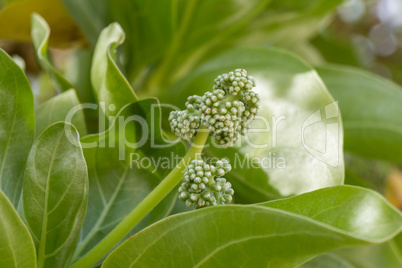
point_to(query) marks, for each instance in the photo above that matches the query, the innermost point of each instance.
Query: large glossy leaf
(17, 126)
(369, 105)
(15, 22)
(111, 88)
(55, 194)
(301, 125)
(40, 33)
(125, 164)
(282, 233)
(16, 245)
(57, 109)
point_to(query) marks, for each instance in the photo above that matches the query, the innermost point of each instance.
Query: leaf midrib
(327, 227)
(42, 242)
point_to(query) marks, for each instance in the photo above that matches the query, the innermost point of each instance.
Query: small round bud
(210, 190)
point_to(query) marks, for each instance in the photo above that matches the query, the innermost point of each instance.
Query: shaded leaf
(16, 245)
(111, 88)
(150, 26)
(17, 126)
(90, 15)
(282, 233)
(55, 194)
(373, 256)
(250, 182)
(125, 165)
(368, 105)
(15, 22)
(57, 109)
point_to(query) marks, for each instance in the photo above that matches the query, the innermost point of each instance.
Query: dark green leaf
(90, 15)
(57, 109)
(124, 165)
(55, 194)
(149, 25)
(283, 233)
(17, 126)
(16, 245)
(111, 87)
(369, 105)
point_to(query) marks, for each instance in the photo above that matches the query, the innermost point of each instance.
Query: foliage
(82, 172)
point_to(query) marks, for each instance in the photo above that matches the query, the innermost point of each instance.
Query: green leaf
(111, 87)
(149, 26)
(302, 152)
(40, 37)
(283, 233)
(15, 22)
(176, 33)
(90, 15)
(369, 105)
(251, 184)
(55, 194)
(315, 7)
(17, 124)
(329, 260)
(373, 256)
(16, 245)
(57, 109)
(125, 165)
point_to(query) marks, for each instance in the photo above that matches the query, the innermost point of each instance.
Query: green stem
(140, 211)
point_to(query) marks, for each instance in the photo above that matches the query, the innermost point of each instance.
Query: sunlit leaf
(283, 233)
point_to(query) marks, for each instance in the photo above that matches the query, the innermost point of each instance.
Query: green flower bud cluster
(226, 111)
(234, 82)
(203, 184)
(183, 124)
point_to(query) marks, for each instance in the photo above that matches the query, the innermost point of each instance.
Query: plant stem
(146, 205)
